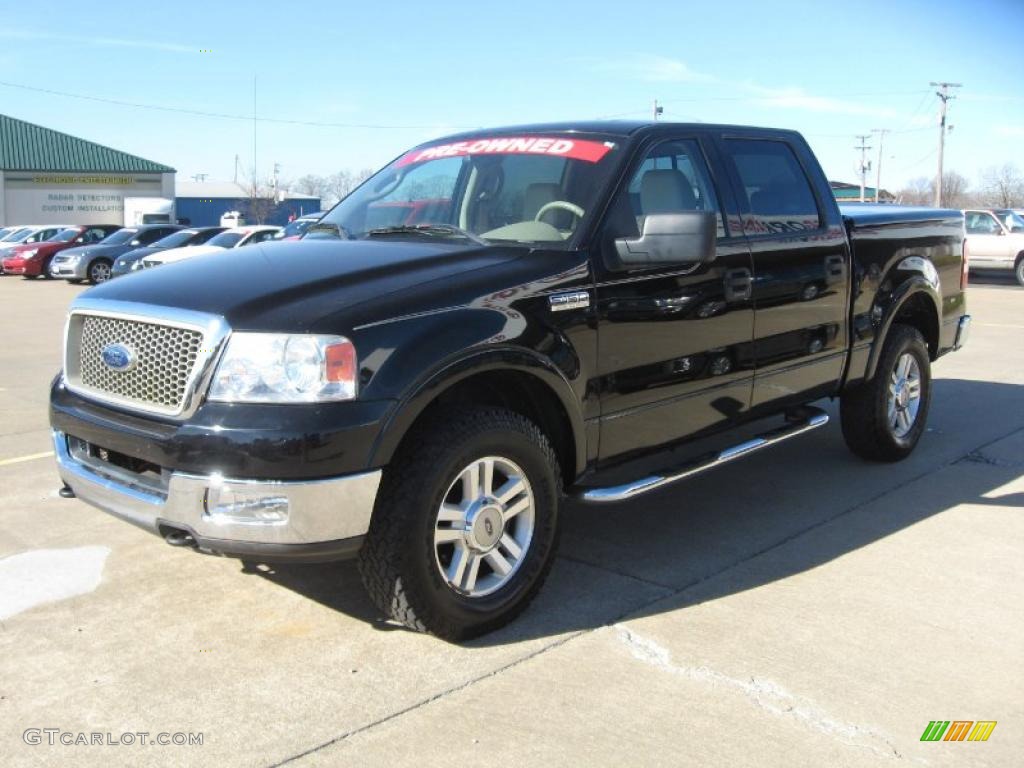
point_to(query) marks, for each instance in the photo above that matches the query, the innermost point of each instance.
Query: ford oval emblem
(118, 357)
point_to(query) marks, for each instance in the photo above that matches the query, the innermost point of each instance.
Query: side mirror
(670, 238)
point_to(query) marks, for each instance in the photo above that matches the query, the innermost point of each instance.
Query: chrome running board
(801, 420)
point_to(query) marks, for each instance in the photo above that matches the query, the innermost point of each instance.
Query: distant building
(202, 203)
(850, 193)
(49, 177)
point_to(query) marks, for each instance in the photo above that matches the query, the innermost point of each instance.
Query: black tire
(397, 561)
(99, 271)
(1018, 269)
(863, 409)
(46, 269)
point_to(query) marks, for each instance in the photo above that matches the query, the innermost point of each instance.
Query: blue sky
(414, 71)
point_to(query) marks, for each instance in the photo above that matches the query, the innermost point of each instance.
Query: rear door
(800, 255)
(675, 341)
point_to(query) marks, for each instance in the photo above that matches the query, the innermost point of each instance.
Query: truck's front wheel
(465, 526)
(883, 419)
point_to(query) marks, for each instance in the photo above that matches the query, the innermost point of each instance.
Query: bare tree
(311, 184)
(1003, 186)
(917, 192)
(954, 190)
(259, 203)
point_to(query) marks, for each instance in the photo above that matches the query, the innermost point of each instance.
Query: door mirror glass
(670, 238)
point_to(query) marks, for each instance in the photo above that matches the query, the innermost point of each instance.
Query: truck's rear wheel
(465, 526)
(883, 419)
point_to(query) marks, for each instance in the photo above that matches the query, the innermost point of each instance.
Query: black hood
(294, 285)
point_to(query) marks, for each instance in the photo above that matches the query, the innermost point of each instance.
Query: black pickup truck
(493, 323)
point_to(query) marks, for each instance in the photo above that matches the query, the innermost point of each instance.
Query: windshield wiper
(428, 229)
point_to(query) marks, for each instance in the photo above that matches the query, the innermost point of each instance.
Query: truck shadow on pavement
(753, 522)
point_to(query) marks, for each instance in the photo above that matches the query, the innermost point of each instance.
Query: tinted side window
(778, 194)
(150, 236)
(672, 178)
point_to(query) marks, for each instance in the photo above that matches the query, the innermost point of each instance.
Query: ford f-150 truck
(424, 396)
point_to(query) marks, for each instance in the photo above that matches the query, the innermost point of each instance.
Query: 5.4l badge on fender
(118, 357)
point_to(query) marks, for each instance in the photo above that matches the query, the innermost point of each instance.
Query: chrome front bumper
(68, 270)
(315, 519)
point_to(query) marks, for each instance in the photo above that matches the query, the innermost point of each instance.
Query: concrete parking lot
(799, 607)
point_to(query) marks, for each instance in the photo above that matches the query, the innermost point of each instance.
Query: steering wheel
(563, 205)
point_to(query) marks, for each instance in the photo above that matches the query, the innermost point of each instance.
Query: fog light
(237, 505)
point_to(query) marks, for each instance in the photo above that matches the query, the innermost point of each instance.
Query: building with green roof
(51, 177)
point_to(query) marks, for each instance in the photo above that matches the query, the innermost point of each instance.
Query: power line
(221, 115)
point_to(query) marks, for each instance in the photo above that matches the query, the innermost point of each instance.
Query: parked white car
(236, 237)
(995, 240)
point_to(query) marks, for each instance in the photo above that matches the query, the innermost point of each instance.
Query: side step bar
(799, 421)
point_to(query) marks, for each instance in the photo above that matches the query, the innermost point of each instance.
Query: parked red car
(33, 259)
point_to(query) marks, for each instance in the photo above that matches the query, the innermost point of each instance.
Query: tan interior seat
(666, 190)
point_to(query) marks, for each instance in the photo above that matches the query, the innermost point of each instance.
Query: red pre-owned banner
(575, 149)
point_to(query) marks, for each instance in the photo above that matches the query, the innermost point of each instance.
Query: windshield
(173, 240)
(121, 236)
(1011, 220)
(226, 239)
(66, 235)
(18, 235)
(530, 190)
(297, 227)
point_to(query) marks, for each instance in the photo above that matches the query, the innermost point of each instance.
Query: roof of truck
(610, 127)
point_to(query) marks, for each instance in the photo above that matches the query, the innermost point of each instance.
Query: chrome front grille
(165, 358)
(167, 352)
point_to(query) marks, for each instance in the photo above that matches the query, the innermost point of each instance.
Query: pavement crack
(978, 457)
(765, 694)
(427, 701)
(617, 572)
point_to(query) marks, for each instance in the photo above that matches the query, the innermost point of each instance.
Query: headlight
(72, 259)
(283, 368)
(136, 266)
(29, 254)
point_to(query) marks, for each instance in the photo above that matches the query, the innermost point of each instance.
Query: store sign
(57, 198)
(107, 181)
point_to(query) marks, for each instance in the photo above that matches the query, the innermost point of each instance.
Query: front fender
(516, 359)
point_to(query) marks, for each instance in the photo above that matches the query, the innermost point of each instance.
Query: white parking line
(30, 457)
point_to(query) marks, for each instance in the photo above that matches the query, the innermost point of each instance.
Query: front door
(987, 243)
(674, 341)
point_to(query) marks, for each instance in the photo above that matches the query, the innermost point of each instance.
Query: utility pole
(944, 94)
(255, 174)
(878, 168)
(865, 164)
(658, 110)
